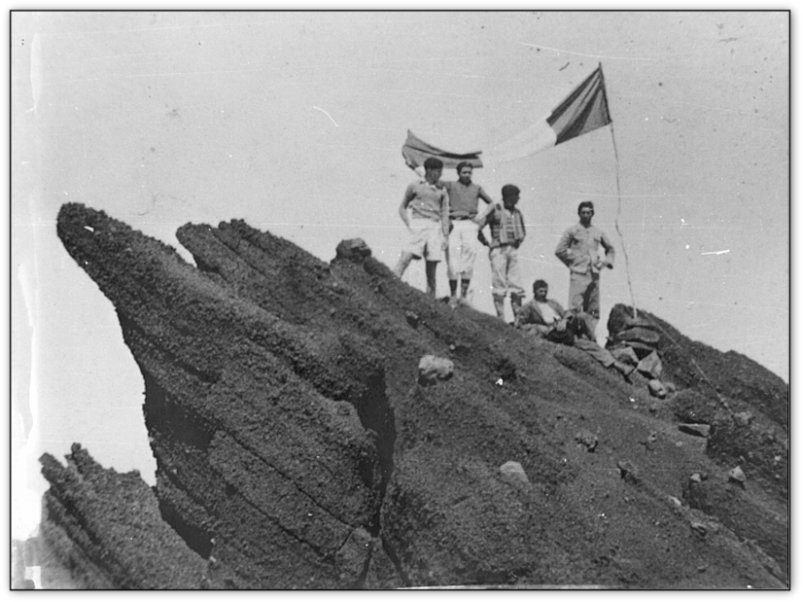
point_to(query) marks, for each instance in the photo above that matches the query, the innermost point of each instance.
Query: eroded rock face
(295, 448)
(108, 526)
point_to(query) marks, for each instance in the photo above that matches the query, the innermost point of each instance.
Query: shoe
(453, 302)
(463, 302)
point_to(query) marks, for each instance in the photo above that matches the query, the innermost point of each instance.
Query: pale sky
(295, 121)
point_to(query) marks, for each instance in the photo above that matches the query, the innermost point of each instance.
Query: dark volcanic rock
(295, 449)
(108, 526)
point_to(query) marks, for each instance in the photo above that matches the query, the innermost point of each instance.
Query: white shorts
(426, 239)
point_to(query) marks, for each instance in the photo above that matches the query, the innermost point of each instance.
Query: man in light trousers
(578, 249)
(507, 233)
(465, 217)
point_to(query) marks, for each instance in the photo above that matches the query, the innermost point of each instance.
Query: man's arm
(409, 195)
(520, 217)
(610, 252)
(488, 207)
(445, 223)
(481, 224)
(563, 250)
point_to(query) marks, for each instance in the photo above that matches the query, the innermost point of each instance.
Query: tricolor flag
(585, 109)
(415, 151)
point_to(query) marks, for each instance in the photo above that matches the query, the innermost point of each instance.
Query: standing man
(579, 250)
(428, 222)
(507, 233)
(464, 197)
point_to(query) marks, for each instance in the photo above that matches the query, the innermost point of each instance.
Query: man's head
(433, 169)
(540, 290)
(510, 195)
(586, 211)
(464, 171)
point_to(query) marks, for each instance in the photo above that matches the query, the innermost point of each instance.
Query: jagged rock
(699, 528)
(656, 388)
(641, 321)
(628, 472)
(639, 335)
(651, 366)
(587, 438)
(125, 544)
(413, 319)
(736, 475)
(698, 430)
(624, 354)
(354, 249)
(293, 452)
(432, 369)
(514, 470)
(650, 440)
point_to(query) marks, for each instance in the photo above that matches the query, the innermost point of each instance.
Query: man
(546, 318)
(464, 197)
(507, 233)
(578, 249)
(428, 222)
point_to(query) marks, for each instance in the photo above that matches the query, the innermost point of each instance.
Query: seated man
(546, 318)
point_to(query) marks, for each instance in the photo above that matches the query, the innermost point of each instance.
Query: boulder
(698, 430)
(588, 439)
(353, 249)
(640, 334)
(651, 365)
(628, 472)
(625, 354)
(736, 475)
(656, 388)
(514, 470)
(640, 321)
(432, 369)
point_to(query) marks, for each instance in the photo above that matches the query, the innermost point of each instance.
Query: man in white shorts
(425, 211)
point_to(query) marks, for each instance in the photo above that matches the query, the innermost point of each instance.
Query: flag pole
(619, 211)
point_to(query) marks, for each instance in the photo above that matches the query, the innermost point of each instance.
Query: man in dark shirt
(464, 197)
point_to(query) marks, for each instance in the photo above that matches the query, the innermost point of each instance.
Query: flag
(415, 151)
(585, 109)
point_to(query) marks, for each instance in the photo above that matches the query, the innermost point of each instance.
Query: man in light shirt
(578, 249)
(425, 211)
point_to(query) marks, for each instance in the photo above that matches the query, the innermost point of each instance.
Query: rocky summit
(324, 425)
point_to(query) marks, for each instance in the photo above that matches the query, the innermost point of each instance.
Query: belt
(462, 217)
